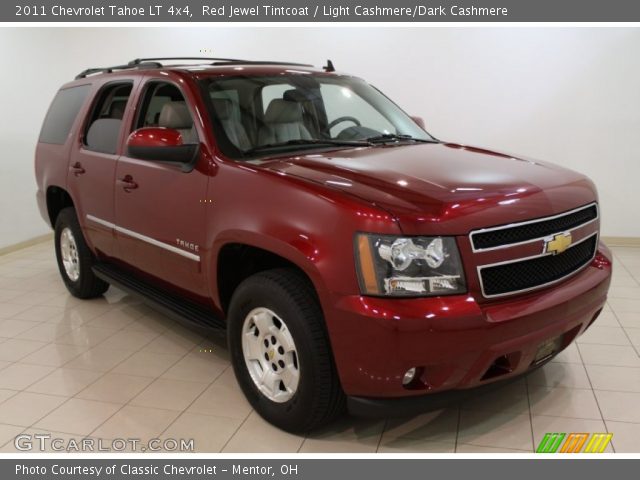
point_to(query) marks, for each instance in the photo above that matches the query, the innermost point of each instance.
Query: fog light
(409, 376)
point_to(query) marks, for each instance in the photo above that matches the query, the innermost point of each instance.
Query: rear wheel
(280, 351)
(75, 259)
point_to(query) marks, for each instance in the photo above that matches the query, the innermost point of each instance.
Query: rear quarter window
(62, 113)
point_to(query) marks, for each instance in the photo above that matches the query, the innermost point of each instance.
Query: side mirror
(161, 145)
(419, 121)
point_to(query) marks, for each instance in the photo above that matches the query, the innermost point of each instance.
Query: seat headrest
(175, 115)
(222, 107)
(117, 109)
(283, 111)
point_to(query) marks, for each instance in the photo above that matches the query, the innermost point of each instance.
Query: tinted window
(103, 129)
(62, 113)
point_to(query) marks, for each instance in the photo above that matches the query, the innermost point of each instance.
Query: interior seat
(282, 123)
(176, 115)
(233, 127)
(117, 109)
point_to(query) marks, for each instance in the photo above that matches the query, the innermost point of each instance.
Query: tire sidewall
(66, 219)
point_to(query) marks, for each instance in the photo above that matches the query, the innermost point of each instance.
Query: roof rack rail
(154, 62)
(91, 71)
(260, 62)
(138, 61)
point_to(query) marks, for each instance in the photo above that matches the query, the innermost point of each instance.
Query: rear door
(159, 208)
(93, 162)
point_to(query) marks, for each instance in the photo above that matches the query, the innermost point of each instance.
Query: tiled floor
(113, 368)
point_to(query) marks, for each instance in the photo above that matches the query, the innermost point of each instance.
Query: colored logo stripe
(550, 442)
(574, 443)
(598, 442)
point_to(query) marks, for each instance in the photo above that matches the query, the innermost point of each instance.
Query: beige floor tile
(466, 448)
(11, 328)
(8, 310)
(613, 355)
(78, 416)
(19, 376)
(45, 332)
(115, 388)
(606, 319)
(7, 294)
(85, 336)
(15, 349)
(147, 364)
(65, 381)
(136, 422)
(116, 318)
(619, 406)
(626, 436)
(197, 367)
(100, 359)
(620, 379)
(169, 394)
(255, 435)
(568, 355)
(511, 397)
(632, 292)
(413, 445)
(344, 436)
(569, 375)
(604, 336)
(129, 340)
(223, 398)
(545, 424)
(6, 394)
(438, 426)
(175, 343)
(500, 430)
(40, 313)
(54, 355)
(631, 320)
(625, 305)
(563, 402)
(8, 433)
(152, 322)
(25, 408)
(634, 335)
(209, 433)
(33, 298)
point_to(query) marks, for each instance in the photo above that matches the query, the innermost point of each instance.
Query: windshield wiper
(303, 143)
(395, 137)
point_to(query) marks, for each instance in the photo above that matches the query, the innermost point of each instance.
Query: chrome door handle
(127, 183)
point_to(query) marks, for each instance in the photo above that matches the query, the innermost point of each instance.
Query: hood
(444, 188)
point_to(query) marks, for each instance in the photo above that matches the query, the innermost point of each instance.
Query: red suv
(353, 259)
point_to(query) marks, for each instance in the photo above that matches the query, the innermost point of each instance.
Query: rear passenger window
(63, 111)
(105, 123)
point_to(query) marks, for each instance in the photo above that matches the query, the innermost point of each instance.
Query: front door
(160, 209)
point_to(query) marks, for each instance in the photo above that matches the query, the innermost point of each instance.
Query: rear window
(62, 113)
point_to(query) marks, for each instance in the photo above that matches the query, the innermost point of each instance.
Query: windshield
(257, 116)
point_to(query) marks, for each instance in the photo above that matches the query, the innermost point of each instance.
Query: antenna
(329, 67)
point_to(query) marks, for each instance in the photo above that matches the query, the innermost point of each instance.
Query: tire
(78, 277)
(318, 398)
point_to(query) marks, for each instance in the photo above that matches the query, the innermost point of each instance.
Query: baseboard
(27, 243)
(621, 241)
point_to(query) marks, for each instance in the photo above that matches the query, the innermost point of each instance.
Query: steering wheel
(343, 119)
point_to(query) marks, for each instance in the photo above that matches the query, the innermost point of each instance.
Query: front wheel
(281, 353)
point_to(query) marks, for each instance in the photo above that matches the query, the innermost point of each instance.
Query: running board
(167, 303)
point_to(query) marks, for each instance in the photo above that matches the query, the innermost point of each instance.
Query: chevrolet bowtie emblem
(558, 243)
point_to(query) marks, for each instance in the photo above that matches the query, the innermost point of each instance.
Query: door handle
(77, 169)
(127, 183)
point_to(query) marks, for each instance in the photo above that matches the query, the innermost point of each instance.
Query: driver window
(163, 105)
(340, 102)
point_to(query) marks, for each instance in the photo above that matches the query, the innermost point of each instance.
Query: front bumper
(456, 342)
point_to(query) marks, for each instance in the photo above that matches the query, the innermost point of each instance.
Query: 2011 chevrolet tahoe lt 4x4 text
(353, 259)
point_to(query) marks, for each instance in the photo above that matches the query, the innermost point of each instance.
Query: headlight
(408, 266)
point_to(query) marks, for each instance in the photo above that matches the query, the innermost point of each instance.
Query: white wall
(570, 96)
